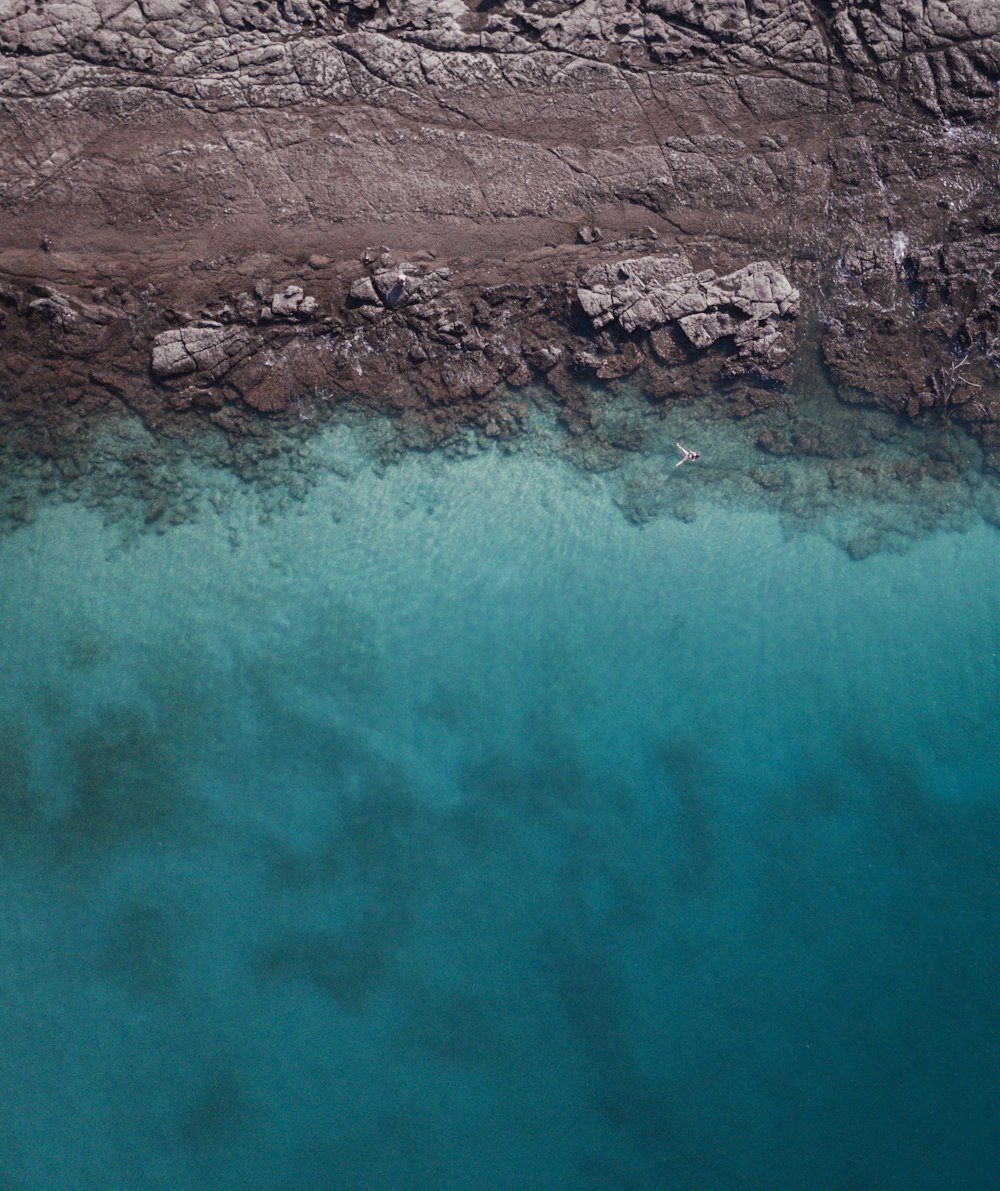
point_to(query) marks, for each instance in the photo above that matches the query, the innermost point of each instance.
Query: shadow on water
(109, 755)
(951, 845)
(692, 814)
(142, 948)
(379, 857)
(221, 1108)
(123, 781)
(709, 969)
(86, 649)
(857, 936)
(468, 1027)
(119, 783)
(330, 650)
(552, 782)
(347, 966)
(21, 818)
(866, 878)
(595, 1007)
(832, 905)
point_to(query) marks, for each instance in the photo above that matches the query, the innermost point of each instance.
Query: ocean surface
(495, 824)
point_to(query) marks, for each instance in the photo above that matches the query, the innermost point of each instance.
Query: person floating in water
(687, 455)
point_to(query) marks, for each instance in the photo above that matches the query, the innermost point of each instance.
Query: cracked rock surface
(220, 205)
(210, 351)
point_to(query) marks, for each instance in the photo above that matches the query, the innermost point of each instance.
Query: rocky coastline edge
(209, 211)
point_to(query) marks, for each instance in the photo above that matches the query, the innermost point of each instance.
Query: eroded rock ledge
(219, 207)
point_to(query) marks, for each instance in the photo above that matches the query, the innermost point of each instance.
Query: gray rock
(170, 356)
(389, 282)
(364, 292)
(761, 291)
(55, 308)
(287, 303)
(650, 291)
(702, 330)
(647, 293)
(211, 351)
(642, 293)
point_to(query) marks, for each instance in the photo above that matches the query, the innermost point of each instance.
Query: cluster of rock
(291, 303)
(750, 306)
(236, 352)
(389, 286)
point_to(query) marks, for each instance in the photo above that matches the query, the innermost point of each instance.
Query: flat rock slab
(648, 292)
(210, 351)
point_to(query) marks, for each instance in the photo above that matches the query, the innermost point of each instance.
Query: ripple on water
(524, 844)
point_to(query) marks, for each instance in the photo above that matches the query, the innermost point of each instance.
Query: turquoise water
(446, 828)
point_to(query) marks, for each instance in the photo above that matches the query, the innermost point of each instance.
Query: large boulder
(210, 351)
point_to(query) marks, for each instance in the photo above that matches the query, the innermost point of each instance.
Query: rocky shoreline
(211, 210)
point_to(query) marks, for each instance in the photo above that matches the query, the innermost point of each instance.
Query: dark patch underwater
(521, 845)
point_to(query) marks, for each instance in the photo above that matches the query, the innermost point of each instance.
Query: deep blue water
(448, 830)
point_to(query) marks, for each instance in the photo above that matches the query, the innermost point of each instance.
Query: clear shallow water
(447, 830)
